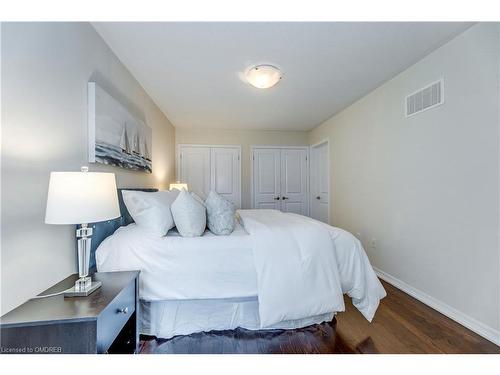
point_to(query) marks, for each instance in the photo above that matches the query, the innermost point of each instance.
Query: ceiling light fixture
(263, 76)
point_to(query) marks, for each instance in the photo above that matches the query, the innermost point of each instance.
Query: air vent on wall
(429, 97)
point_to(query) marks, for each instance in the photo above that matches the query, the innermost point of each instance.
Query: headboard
(104, 229)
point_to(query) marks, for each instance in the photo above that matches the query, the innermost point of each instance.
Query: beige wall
(245, 138)
(45, 70)
(427, 187)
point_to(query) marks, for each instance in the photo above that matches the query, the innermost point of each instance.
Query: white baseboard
(481, 329)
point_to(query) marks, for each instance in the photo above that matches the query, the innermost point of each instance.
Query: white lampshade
(263, 76)
(179, 186)
(81, 198)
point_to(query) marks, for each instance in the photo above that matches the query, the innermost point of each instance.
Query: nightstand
(103, 322)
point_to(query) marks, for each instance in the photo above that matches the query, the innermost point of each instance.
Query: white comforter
(181, 268)
(297, 266)
(297, 273)
(300, 270)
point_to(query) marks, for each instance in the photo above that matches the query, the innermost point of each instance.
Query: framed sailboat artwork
(116, 137)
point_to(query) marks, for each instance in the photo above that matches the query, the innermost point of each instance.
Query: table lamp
(179, 186)
(82, 198)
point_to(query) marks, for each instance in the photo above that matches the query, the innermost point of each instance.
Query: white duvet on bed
(304, 266)
(297, 272)
(175, 267)
(239, 265)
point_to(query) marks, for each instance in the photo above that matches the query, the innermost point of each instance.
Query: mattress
(174, 267)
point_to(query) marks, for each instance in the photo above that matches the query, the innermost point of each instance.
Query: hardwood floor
(401, 325)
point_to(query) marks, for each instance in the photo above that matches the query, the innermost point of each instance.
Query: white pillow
(151, 211)
(189, 214)
(220, 214)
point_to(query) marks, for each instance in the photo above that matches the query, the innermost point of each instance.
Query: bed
(275, 271)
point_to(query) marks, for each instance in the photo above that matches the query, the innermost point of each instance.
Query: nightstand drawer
(114, 317)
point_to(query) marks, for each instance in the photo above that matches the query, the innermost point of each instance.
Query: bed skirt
(166, 319)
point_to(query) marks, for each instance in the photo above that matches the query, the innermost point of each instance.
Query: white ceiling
(193, 70)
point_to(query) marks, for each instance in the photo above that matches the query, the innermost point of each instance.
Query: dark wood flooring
(401, 325)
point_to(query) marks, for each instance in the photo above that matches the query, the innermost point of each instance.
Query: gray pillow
(189, 214)
(197, 197)
(220, 214)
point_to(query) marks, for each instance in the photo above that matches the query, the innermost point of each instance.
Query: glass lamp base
(83, 284)
(76, 291)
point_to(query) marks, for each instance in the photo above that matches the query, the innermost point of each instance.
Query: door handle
(276, 198)
(318, 197)
(285, 198)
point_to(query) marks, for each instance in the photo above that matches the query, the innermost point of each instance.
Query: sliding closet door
(225, 173)
(266, 178)
(294, 179)
(195, 169)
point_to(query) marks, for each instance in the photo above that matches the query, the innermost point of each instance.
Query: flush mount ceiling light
(263, 76)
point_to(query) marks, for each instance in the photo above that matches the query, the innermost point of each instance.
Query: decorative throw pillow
(197, 197)
(220, 214)
(151, 211)
(189, 214)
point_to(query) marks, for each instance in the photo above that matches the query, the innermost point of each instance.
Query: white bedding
(297, 273)
(216, 267)
(357, 277)
(175, 267)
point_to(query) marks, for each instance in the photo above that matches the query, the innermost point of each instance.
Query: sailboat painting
(116, 137)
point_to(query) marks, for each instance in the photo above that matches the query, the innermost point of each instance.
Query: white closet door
(266, 177)
(225, 173)
(195, 169)
(294, 181)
